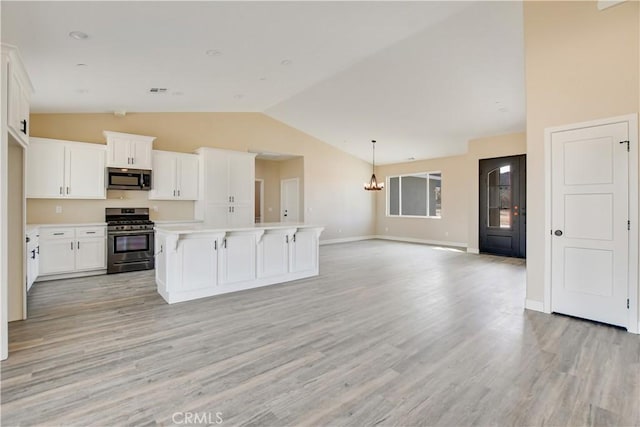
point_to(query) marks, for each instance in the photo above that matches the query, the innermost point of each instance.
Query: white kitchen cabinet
(18, 95)
(57, 256)
(199, 260)
(187, 268)
(175, 176)
(243, 258)
(72, 250)
(304, 251)
(33, 257)
(238, 257)
(227, 187)
(273, 253)
(59, 169)
(125, 150)
(90, 253)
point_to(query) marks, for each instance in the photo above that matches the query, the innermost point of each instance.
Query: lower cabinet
(199, 260)
(33, 257)
(238, 257)
(71, 250)
(304, 251)
(201, 263)
(187, 266)
(273, 252)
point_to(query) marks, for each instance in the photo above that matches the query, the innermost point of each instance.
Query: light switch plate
(58, 209)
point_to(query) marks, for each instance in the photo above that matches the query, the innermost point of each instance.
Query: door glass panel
(499, 203)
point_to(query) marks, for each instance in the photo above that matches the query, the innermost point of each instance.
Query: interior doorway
(289, 200)
(259, 201)
(503, 195)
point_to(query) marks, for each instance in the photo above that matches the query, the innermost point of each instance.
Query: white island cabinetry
(198, 261)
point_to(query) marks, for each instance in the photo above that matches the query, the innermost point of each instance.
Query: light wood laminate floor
(388, 334)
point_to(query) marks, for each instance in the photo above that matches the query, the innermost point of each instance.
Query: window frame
(388, 195)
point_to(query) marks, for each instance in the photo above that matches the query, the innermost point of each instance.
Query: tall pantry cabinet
(227, 188)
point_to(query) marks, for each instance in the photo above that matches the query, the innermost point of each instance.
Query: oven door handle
(129, 233)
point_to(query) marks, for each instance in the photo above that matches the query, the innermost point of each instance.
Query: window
(417, 195)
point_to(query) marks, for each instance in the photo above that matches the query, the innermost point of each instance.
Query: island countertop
(202, 228)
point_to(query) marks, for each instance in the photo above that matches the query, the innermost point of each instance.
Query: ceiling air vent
(158, 90)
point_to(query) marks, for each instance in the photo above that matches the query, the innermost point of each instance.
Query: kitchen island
(196, 261)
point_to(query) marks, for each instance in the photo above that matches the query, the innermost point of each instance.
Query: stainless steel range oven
(130, 242)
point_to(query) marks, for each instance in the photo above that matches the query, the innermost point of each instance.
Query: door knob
(558, 233)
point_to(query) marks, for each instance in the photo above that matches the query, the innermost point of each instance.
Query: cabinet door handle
(215, 245)
(71, 245)
(233, 209)
(174, 193)
(61, 190)
(68, 190)
(24, 126)
(233, 199)
(33, 254)
(58, 234)
(294, 238)
(224, 243)
(91, 232)
(178, 193)
(287, 238)
(38, 249)
(78, 245)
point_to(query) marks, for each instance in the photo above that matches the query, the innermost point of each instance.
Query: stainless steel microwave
(128, 179)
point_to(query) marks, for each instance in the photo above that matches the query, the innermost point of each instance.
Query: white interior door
(289, 200)
(590, 210)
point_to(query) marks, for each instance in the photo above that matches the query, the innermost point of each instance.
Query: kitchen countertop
(79, 224)
(201, 228)
(176, 221)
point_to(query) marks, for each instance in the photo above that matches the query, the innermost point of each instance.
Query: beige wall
(486, 148)
(451, 227)
(581, 64)
(332, 179)
(459, 222)
(15, 233)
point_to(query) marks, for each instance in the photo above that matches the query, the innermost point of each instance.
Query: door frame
(261, 181)
(282, 181)
(521, 160)
(633, 323)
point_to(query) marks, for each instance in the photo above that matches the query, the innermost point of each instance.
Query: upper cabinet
(175, 176)
(18, 94)
(125, 150)
(227, 187)
(65, 169)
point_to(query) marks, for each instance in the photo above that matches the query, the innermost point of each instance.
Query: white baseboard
(423, 241)
(346, 240)
(533, 305)
(473, 250)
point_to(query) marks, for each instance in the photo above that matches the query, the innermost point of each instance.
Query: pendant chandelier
(373, 184)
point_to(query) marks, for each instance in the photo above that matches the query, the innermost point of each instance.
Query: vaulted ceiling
(420, 77)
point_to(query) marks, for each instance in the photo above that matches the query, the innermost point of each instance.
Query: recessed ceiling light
(177, 93)
(213, 52)
(82, 91)
(286, 62)
(263, 79)
(78, 35)
(81, 65)
(238, 96)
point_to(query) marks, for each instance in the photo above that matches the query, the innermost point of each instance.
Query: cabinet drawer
(89, 232)
(57, 233)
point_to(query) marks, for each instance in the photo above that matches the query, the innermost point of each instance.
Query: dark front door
(503, 206)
